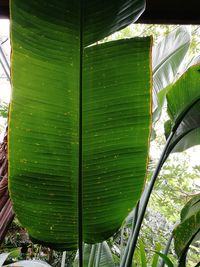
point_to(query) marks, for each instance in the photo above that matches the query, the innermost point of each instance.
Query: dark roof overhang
(157, 11)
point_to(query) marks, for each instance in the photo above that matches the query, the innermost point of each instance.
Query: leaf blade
(44, 126)
(111, 156)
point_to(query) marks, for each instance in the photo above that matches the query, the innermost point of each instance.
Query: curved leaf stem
(135, 235)
(135, 217)
(162, 263)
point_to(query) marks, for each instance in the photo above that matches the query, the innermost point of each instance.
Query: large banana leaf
(168, 55)
(183, 99)
(79, 120)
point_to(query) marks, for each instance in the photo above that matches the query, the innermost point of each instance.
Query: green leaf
(168, 127)
(189, 226)
(183, 101)
(168, 55)
(94, 20)
(156, 256)
(166, 259)
(142, 255)
(79, 125)
(191, 207)
(183, 93)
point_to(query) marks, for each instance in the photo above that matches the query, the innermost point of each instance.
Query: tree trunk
(6, 211)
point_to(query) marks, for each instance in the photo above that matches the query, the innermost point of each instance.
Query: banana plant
(79, 121)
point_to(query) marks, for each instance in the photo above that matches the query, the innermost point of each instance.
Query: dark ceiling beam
(171, 12)
(157, 11)
(4, 9)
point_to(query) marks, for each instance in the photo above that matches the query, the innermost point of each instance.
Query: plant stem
(135, 216)
(162, 263)
(135, 235)
(132, 230)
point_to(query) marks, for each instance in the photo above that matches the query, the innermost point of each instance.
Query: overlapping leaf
(93, 19)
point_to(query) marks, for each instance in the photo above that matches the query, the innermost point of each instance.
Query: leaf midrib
(80, 180)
